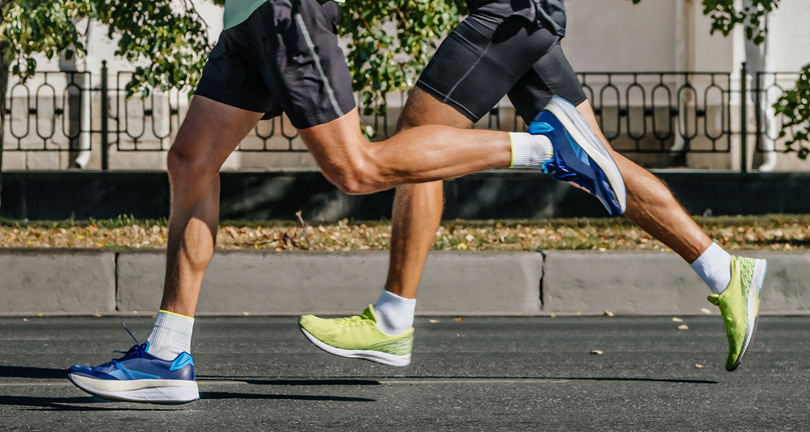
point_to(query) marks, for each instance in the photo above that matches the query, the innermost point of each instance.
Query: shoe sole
(754, 296)
(142, 391)
(581, 132)
(375, 356)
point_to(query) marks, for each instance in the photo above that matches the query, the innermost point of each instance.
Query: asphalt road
(519, 373)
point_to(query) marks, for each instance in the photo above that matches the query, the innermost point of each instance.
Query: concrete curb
(61, 282)
(42, 280)
(334, 283)
(658, 283)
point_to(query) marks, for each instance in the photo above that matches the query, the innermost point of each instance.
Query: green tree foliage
(168, 37)
(392, 41)
(795, 106)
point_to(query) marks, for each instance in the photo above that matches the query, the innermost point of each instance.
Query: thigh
(551, 75)
(482, 59)
(422, 108)
(211, 130)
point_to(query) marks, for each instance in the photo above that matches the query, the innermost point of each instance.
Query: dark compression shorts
(497, 52)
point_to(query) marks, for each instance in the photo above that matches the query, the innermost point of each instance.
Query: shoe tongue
(370, 314)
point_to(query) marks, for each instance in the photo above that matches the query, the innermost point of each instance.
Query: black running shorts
(497, 52)
(284, 57)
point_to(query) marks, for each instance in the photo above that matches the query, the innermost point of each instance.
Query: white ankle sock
(529, 151)
(171, 335)
(714, 267)
(394, 313)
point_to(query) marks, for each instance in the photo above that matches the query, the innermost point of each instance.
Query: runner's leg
(228, 102)
(209, 134)
(423, 154)
(417, 207)
(649, 202)
(736, 281)
(419, 154)
(462, 90)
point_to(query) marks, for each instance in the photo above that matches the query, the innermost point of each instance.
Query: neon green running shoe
(739, 305)
(358, 337)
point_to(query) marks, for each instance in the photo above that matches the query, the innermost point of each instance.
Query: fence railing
(639, 112)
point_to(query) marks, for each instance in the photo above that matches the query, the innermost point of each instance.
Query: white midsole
(128, 385)
(568, 115)
(156, 391)
(760, 268)
(375, 356)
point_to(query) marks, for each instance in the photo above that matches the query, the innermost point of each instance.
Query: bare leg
(417, 207)
(416, 155)
(210, 132)
(651, 205)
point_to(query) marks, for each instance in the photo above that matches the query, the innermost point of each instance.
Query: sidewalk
(80, 281)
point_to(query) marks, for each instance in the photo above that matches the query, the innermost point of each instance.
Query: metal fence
(639, 112)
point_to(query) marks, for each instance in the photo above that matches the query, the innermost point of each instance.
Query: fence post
(105, 144)
(744, 118)
(758, 115)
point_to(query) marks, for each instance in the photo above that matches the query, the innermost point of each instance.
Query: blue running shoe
(139, 377)
(579, 155)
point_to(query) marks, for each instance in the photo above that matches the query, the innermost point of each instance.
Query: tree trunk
(5, 62)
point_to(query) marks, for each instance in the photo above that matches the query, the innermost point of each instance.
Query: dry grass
(734, 233)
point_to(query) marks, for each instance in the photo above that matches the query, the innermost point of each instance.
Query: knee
(354, 178)
(187, 167)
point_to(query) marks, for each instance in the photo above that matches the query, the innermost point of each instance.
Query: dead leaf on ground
(232, 231)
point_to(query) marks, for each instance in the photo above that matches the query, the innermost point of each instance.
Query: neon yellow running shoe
(739, 305)
(358, 337)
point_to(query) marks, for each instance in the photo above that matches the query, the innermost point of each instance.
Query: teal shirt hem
(237, 11)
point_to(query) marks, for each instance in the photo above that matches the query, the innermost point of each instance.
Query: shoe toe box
(90, 372)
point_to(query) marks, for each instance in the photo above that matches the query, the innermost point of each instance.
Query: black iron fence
(640, 112)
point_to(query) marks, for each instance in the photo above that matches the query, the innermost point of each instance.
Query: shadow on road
(32, 372)
(292, 381)
(56, 403)
(375, 381)
(226, 395)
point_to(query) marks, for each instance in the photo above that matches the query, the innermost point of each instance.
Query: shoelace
(355, 320)
(351, 321)
(135, 351)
